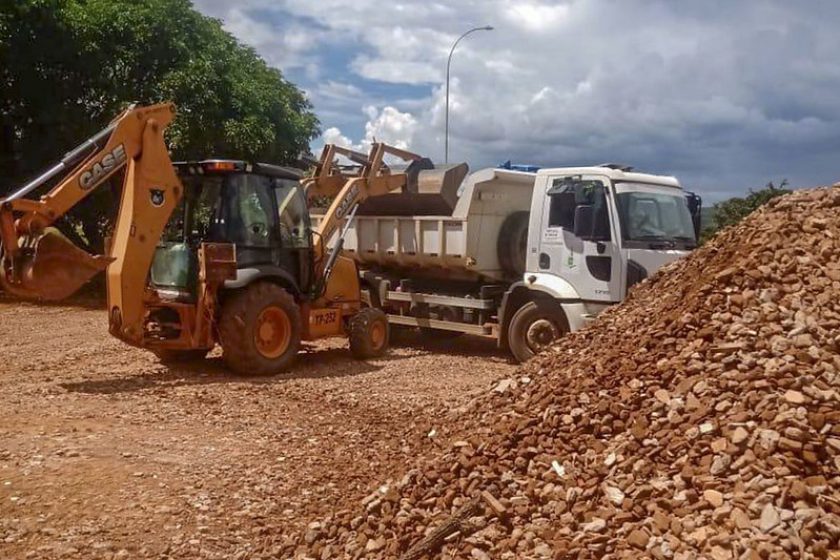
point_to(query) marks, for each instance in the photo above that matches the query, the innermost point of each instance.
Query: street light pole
(448, 63)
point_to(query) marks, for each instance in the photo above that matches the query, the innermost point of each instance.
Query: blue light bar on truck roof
(519, 167)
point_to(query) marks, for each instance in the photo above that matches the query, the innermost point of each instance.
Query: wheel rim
(541, 333)
(273, 332)
(377, 335)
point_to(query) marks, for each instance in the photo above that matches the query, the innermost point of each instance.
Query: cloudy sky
(725, 95)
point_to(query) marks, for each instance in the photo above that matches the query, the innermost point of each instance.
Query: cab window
(566, 194)
(294, 214)
(251, 220)
(561, 212)
(196, 218)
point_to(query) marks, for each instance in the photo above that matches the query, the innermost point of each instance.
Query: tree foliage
(67, 67)
(735, 209)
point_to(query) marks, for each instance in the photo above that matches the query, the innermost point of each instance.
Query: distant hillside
(707, 214)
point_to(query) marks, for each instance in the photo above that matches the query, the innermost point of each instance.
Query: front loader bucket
(51, 270)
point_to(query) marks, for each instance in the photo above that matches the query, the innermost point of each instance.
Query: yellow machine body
(37, 262)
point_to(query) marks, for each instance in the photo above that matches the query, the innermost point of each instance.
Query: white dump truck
(523, 257)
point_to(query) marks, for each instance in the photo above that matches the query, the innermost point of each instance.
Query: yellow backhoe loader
(202, 253)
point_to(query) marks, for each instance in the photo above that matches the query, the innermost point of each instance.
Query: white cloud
(339, 90)
(536, 16)
(726, 95)
(286, 49)
(406, 55)
(387, 125)
(333, 135)
(390, 126)
(395, 71)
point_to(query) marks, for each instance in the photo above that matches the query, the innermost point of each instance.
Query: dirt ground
(104, 453)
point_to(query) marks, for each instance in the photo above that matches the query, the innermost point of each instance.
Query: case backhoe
(202, 253)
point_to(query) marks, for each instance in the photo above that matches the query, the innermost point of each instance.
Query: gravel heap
(698, 419)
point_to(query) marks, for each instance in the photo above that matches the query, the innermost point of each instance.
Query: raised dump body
(464, 245)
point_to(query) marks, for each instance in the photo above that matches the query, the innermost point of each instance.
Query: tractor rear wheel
(260, 330)
(369, 333)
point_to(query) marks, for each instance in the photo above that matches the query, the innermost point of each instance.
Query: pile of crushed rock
(701, 418)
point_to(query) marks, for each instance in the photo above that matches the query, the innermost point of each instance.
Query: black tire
(369, 333)
(512, 244)
(244, 349)
(167, 356)
(444, 313)
(533, 328)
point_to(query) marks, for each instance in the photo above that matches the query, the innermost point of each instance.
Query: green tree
(735, 209)
(67, 67)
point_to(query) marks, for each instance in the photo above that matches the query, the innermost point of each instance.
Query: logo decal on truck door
(552, 235)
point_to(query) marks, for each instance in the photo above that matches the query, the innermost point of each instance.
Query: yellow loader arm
(374, 179)
(37, 263)
(327, 179)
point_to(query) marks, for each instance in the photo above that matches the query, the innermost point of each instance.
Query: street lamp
(448, 63)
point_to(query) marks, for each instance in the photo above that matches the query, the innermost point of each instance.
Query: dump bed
(463, 245)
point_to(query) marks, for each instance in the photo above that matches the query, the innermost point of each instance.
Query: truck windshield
(651, 218)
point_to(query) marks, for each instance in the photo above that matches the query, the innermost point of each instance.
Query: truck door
(589, 260)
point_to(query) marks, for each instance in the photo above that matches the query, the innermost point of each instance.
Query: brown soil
(104, 453)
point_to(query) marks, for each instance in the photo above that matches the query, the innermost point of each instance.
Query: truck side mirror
(584, 221)
(695, 208)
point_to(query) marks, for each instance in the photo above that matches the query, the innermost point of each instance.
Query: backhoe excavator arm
(40, 265)
(108, 152)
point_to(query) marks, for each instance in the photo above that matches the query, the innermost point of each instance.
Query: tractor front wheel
(369, 333)
(260, 330)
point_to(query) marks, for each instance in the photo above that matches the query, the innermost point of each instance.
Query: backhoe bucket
(52, 270)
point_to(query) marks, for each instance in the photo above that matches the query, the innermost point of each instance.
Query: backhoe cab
(203, 253)
(240, 248)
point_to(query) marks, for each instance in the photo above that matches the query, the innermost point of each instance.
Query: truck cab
(596, 231)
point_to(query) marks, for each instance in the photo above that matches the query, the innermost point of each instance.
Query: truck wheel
(512, 244)
(369, 333)
(167, 356)
(260, 330)
(533, 328)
